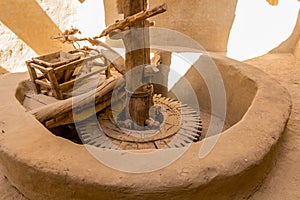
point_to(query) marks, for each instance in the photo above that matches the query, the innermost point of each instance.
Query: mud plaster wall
(207, 21)
(297, 50)
(13, 51)
(240, 90)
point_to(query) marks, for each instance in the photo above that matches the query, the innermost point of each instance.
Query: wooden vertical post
(54, 84)
(137, 46)
(33, 77)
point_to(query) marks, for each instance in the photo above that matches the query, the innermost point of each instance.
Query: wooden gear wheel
(181, 125)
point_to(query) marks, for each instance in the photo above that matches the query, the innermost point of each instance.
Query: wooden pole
(133, 19)
(137, 55)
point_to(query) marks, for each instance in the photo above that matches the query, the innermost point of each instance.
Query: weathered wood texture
(84, 105)
(137, 46)
(133, 13)
(59, 77)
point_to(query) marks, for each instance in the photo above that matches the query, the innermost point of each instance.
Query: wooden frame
(58, 77)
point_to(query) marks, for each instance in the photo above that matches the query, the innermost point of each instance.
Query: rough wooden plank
(39, 67)
(44, 99)
(68, 118)
(55, 59)
(43, 83)
(34, 101)
(78, 103)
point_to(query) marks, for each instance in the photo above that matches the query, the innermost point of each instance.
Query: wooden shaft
(137, 55)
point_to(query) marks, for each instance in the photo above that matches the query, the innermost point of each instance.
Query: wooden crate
(57, 71)
(55, 59)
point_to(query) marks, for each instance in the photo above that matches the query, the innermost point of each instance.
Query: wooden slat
(39, 67)
(34, 101)
(42, 59)
(33, 76)
(68, 74)
(74, 64)
(55, 86)
(44, 99)
(43, 83)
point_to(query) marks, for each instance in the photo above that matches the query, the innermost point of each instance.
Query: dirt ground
(284, 180)
(8, 192)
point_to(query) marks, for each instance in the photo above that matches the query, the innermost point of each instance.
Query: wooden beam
(137, 45)
(133, 16)
(80, 104)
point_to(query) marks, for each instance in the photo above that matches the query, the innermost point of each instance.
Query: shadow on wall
(258, 28)
(24, 19)
(26, 27)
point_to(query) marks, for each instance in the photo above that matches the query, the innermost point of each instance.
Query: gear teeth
(184, 138)
(156, 97)
(189, 138)
(190, 127)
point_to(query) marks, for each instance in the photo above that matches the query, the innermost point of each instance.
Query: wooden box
(57, 71)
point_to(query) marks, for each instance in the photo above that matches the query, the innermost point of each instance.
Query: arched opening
(259, 27)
